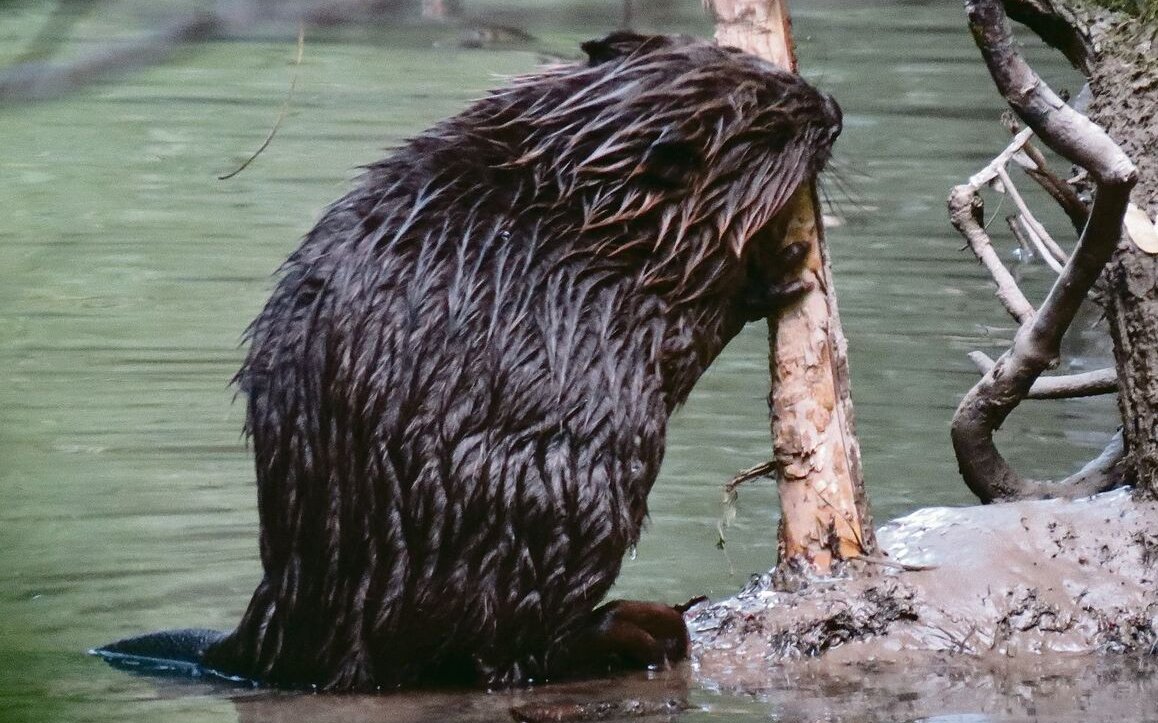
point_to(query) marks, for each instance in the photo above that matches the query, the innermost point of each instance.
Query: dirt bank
(1027, 591)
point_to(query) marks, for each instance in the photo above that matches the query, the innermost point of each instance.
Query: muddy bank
(1027, 591)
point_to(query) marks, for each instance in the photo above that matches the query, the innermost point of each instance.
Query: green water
(128, 272)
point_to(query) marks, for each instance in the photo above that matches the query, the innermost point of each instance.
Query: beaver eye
(777, 137)
(669, 164)
(307, 292)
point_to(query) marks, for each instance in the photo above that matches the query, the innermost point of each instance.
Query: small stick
(1026, 245)
(284, 108)
(987, 174)
(1052, 254)
(1059, 190)
(885, 562)
(1026, 238)
(764, 469)
(965, 208)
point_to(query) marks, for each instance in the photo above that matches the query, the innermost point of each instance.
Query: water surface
(128, 272)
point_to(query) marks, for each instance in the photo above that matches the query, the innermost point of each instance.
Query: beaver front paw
(766, 297)
(632, 634)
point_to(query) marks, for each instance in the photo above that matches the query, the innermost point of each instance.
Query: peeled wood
(761, 27)
(824, 509)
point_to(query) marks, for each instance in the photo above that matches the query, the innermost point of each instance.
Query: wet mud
(1025, 609)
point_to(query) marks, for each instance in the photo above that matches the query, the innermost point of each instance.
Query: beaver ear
(619, 44)
(670, 163)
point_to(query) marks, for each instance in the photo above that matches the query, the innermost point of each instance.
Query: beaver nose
(833, 116)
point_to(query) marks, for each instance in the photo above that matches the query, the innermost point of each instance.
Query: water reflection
(642, 696)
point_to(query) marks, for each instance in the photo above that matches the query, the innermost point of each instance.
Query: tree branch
(966, 210)
(1104, 472)
(1036, 344)
(1065, 386)
(1052, 24)
(41, 80)
(36, 78)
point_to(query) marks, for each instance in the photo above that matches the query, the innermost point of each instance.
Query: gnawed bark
(824, 509)
(1012, 587)
(761, 27)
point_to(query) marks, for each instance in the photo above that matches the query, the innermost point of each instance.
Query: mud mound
(1019, 584)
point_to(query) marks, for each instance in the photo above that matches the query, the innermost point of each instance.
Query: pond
(128, 272)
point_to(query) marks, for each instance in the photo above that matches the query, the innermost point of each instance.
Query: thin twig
(885, 562)
(986, 175)
(1068, 386)
(965, 211)
(284, 108)
(764, 469)
(1033, 162)
(1027, 247)
(1051, 253)
(1061, 192)
(1028, 229)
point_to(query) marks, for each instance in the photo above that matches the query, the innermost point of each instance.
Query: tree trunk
(1124, 84)
(824, 509)
(1118, 52)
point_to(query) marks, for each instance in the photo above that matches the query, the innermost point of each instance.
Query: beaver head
(666, 149)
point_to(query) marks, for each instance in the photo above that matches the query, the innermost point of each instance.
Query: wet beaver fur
(459, 389)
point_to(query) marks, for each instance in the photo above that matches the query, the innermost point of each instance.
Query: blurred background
(128, 272)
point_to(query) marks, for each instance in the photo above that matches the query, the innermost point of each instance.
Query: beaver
(459, 389)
